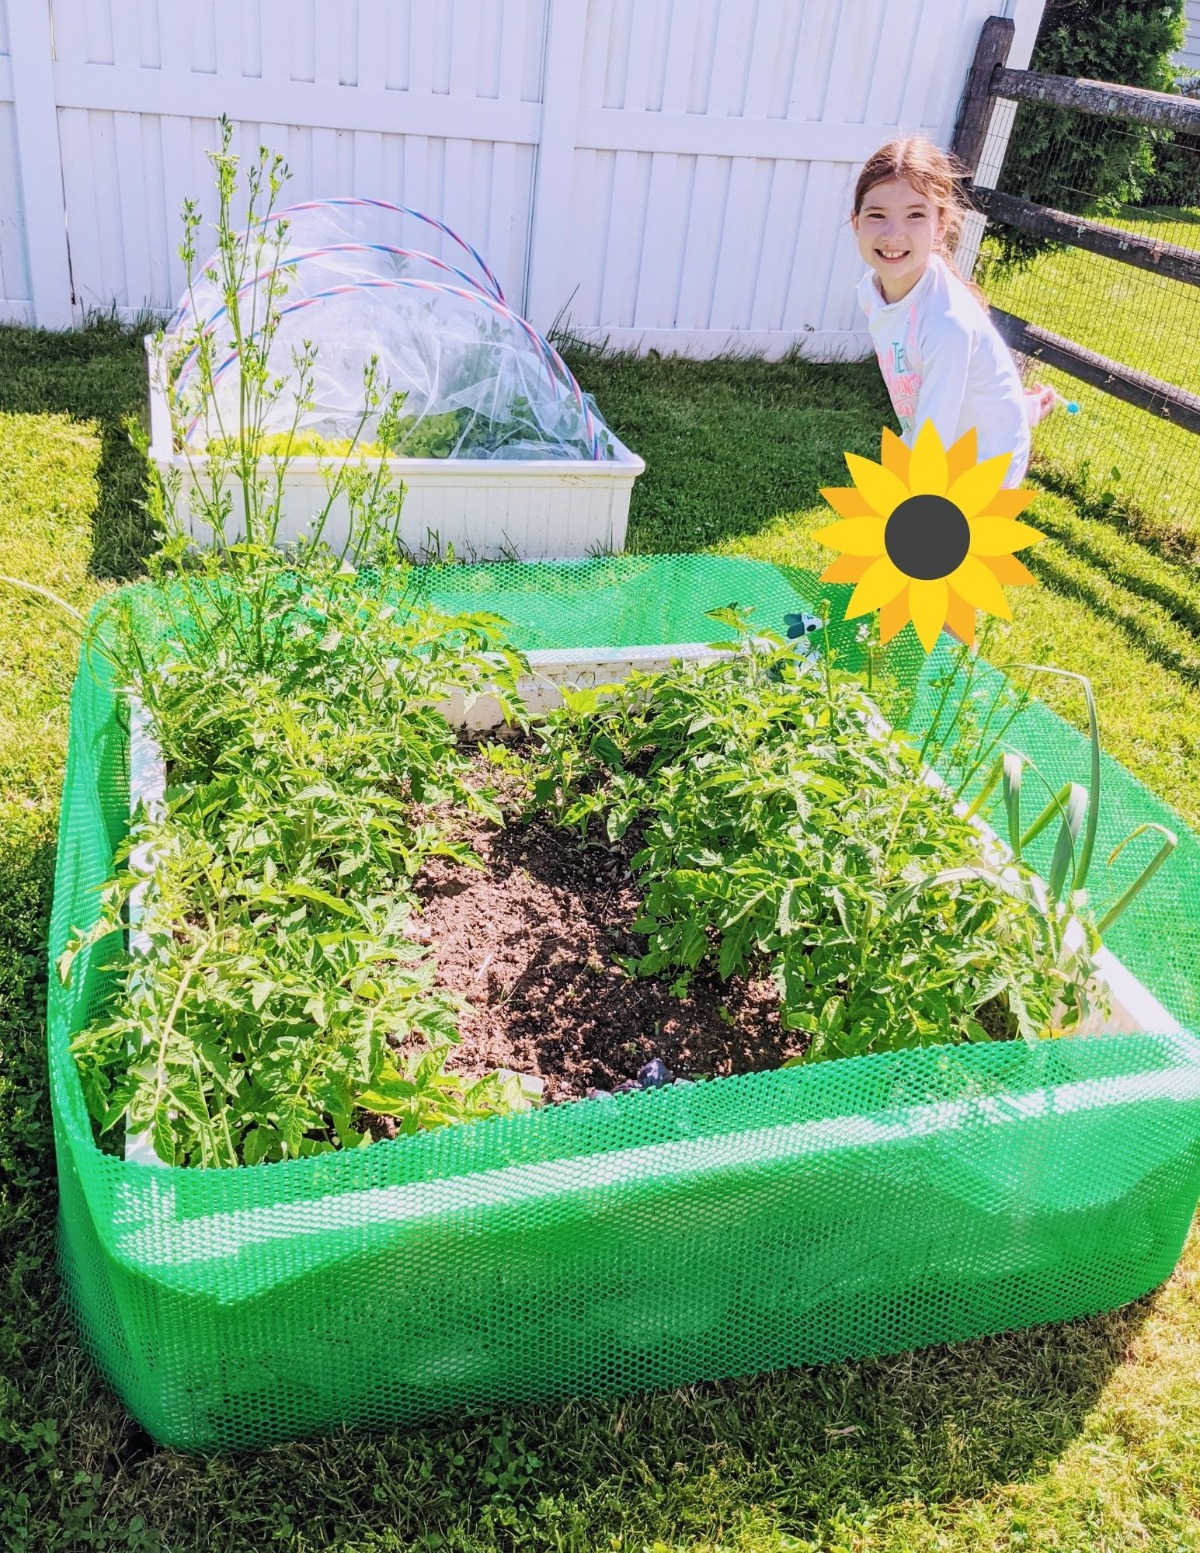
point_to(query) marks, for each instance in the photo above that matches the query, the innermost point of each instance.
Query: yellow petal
(893, 617)
(879, 485)
(976, 582)
(962, 456)
(856, 536)
(1001, 536)
(928, 598)
(1009, 572)
(1007, 504)
(880, 584)
(893, 454)
(972, 492)
(846, 501)
(847, 568)
(960, 618)
(927, 470)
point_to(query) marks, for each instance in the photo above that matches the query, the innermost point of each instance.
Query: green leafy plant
(785, 828)
(280, 994)
(279, 1000)
(459, 433)
(230, 483)
(966, 744)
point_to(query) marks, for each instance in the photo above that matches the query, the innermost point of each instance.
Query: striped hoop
(557, 369)
(302, 257)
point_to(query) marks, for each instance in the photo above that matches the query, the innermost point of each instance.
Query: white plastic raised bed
(1134, 1006)
(482, 509)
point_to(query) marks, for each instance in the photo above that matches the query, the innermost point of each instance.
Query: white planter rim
(493, 509)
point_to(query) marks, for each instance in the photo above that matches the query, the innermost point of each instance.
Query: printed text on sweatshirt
(943, 360)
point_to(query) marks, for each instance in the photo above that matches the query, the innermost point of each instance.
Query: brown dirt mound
(530, 942)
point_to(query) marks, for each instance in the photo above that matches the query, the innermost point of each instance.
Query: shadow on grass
(795, 1453)
(795, 1450)
(97, 373)
(27, 853)
(731, 443)
(1123, 512)
(1176, 588)
(1139, 633)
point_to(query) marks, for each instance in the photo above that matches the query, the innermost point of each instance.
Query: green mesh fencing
(855, 1207)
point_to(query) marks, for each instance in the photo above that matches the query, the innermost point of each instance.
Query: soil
(530, 942)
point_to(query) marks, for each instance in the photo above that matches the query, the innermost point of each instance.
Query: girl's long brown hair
(932, 172)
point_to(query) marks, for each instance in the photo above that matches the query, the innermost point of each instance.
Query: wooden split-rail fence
(990, 81)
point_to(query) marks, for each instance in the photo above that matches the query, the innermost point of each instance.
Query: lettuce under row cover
(501, 451)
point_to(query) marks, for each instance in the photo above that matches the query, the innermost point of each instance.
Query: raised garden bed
(477, 509)
(295, 1266)
(318, 330)
(717, 1228)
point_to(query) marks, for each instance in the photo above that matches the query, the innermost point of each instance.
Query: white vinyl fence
(1189, 54)
(671, 174)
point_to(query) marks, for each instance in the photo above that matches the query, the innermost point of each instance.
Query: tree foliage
(1090, 166)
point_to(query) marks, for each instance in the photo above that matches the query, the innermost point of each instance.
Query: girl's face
(897, 230)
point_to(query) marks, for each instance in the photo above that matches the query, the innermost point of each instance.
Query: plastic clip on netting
(855, 1207)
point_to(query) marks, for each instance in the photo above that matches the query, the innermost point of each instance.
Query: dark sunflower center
(927, 537)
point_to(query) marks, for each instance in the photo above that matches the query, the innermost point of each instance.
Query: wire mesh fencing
(1132, 319)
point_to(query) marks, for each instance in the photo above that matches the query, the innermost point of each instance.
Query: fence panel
(1113, 304)
(715, 162)
(656, 174)
(416, 104)
(37, 180)
(16, 300)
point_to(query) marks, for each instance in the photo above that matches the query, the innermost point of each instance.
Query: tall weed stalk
(282, 1002)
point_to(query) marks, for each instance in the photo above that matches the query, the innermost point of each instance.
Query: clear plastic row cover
(477, 381)
(326, 242)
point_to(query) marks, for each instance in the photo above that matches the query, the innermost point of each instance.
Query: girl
(941, 355)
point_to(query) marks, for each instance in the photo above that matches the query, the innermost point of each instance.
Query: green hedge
(1095, 166)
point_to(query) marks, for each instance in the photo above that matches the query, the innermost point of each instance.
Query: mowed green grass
(1146, 466)
(1079, 1437)
(1121, 311)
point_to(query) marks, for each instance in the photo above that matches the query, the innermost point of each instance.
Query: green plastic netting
(857, 1207)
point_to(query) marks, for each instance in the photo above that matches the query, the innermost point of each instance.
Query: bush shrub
(1049, 161)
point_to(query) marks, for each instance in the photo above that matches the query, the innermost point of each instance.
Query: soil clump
(530, 942)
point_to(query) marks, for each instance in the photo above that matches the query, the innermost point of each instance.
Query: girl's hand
(1039, 401)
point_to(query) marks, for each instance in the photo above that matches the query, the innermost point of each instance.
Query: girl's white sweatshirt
(943, 360)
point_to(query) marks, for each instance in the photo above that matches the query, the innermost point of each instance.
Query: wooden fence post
(975, 111)
(39, 159)
(554, 172)
(974, 117)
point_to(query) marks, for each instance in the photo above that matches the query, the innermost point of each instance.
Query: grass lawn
(1078, 1437)
(1111, 451)
(1146, 320)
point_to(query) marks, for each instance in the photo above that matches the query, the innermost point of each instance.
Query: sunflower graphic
(928, 535)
